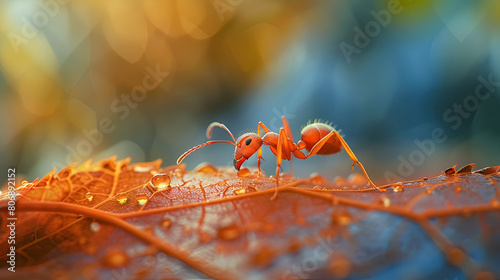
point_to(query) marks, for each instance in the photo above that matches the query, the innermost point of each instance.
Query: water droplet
(398, 187)
(317, 188)
(317, 179)
(160, 181)
(428, 191)
(339, 181)
(357, 179)
(341, 219)
(244, 172)
(229, 232)
(166, 223)
(95, 227)
(205, 167)
(141, 199)
(89, 196)
(192, 187)
(121, 198)
(386, 202)
(24, 183)
(458, 188)
(240, 191)
(495, 203)
(425, 178)
(115, 258)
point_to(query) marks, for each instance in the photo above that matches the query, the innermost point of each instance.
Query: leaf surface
(115, 220)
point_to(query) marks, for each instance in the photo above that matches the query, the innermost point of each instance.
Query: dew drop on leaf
(89, 196)
(160, 181)
(95, 227)
(317, 179)
(115, 258)
(244, 172)
(240, 191)
(342, 219)
(385, 201)
(357, 179)
(228, 233)
(122, 198)
(206, 168)
(142, 199)
(398, 187)
(339, 181)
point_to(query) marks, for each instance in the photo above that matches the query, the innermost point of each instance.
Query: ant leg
(263, 126)
(279, 153)
(286, 126)
(348, 150)
(259, 156)
(288, 134)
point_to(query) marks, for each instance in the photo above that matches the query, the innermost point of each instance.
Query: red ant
(316, 138)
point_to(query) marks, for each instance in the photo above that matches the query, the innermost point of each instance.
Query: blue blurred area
(390, 74)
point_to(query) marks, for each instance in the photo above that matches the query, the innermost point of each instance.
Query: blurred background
(414, 85)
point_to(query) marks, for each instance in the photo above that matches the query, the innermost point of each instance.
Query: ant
(317, 138)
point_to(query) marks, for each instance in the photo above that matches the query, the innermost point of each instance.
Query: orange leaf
(112, 220)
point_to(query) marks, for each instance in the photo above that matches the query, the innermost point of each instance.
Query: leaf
(113, 220)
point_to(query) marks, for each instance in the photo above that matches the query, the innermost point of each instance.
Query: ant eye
(249, 140)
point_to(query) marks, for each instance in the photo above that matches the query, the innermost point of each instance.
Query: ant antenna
(209, 135)
(211, 126)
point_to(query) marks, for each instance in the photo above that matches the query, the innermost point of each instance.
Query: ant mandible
(317, 138)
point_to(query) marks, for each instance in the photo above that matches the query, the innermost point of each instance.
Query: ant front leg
(259, 153)
(279, 154)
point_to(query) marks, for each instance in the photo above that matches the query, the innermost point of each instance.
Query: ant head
(246, 146)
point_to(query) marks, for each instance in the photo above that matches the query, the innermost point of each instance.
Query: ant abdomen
(313, 133)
